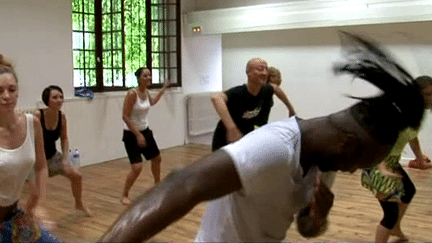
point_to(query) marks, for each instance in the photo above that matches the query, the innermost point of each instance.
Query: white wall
(36, 36)
(305, 58)
(246, 16)
(202, 65)
(208, 5)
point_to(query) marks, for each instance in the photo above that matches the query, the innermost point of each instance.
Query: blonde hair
(274, 71)
(6, 67)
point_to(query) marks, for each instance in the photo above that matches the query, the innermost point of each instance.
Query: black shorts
(134, 151)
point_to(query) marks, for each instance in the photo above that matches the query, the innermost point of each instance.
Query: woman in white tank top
(21, 150)
(137, 136)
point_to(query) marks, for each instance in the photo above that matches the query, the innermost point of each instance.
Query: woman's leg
(409, 192)
(156, 168)
(397, 231)
(130, 180)
(151, 152)
(75, 178)
(384, 228)
(382, 234)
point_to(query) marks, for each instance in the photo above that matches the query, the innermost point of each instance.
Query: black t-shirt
(246, 110)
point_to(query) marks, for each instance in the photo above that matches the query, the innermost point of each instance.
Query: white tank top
(139, 113)
(15, 166)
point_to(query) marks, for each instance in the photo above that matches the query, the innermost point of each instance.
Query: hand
(141, 140)
(66, 162)
(167, 83)
(381, 196)
(382, 167)
(233, 135)
(321, 203)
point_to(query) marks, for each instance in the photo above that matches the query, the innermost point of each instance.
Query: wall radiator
(201, 114)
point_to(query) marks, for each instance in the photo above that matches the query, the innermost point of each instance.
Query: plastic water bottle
(75, 158)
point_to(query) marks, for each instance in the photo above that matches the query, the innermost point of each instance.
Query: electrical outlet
(204, 79)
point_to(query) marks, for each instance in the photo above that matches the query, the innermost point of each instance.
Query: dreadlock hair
(400, 104)
(7, 67)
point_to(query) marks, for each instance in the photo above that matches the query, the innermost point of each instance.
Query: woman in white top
(137, 136)
(21, 150)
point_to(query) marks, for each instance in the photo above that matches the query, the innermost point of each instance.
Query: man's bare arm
(219, 101)
(209, 178)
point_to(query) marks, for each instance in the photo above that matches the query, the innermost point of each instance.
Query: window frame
(150, 21)
(174, 72)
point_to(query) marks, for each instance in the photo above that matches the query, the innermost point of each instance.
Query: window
(113, 38)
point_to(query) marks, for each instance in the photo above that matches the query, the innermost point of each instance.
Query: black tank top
(50, 136)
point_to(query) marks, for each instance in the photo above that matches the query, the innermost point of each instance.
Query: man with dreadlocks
(259, 183)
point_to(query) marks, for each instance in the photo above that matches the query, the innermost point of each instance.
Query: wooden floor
(353, 217)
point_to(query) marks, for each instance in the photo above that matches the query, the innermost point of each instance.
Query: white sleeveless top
(15, 165)
(139, 113)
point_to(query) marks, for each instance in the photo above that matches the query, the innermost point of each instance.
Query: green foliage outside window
(135, 39)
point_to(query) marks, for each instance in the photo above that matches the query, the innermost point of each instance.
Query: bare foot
(420, 164)
(126, 201)
(85, 209)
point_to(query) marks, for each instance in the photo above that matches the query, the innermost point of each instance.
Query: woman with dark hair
(54, 127)
(21, 150)
(137, 136)
(390, 183)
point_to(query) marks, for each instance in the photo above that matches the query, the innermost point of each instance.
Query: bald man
(245, 107)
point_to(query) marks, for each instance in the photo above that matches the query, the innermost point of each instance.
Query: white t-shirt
(15, 165)
(139, 113)
(273, 187)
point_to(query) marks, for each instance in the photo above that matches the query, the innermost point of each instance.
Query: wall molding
(306, 14)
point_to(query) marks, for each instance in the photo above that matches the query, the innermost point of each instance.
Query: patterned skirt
(21, 228)
(379, 183)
